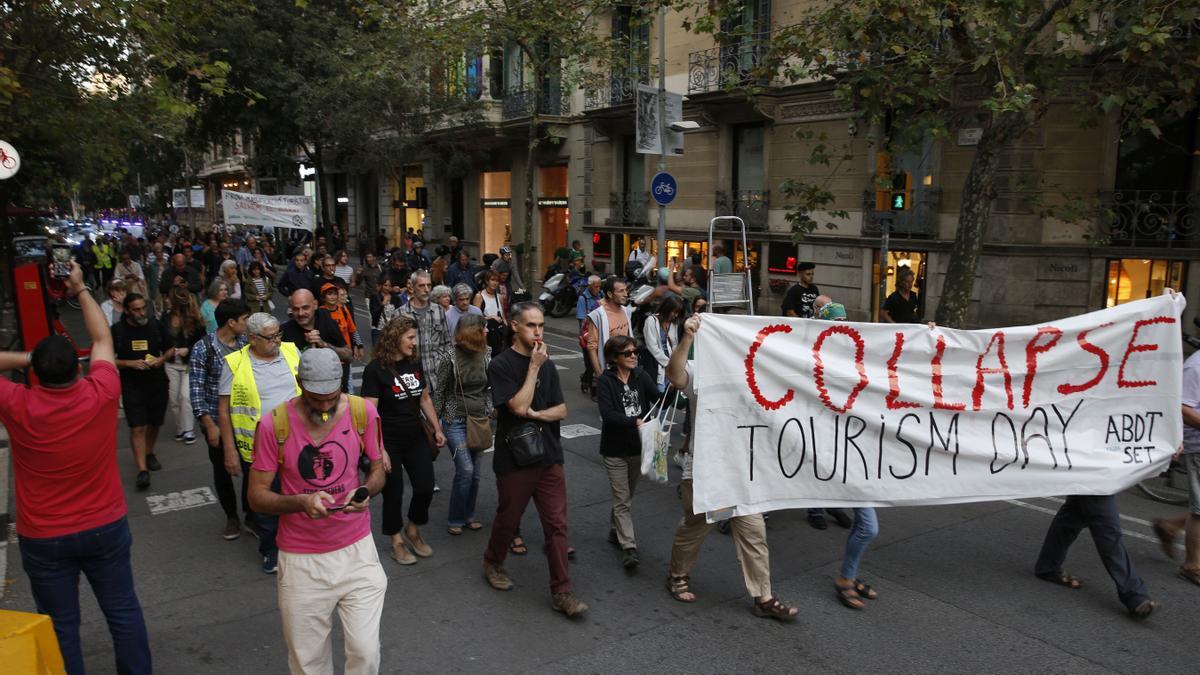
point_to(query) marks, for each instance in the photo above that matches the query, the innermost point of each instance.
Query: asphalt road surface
(957, 592)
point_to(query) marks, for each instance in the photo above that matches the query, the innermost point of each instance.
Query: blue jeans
(866, 526)
(466, 474)
(266, 526)
(102, 554)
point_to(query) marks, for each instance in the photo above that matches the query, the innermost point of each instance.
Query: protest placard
(799, 412)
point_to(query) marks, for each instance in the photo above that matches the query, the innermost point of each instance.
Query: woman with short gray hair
(218, 290)
(461, 297)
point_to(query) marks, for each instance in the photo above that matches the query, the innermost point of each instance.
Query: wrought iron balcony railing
(617, 91)
(1168, 218)
(520, 103)
(628, 208)
(752, 206)
(734, 64)
(918, 220)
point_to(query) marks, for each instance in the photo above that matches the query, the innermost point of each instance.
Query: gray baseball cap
(320, 371)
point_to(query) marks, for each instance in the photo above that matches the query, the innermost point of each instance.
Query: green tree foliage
(933, 66)
(332, 83)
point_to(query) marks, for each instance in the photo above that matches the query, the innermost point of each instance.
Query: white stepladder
(732, 289)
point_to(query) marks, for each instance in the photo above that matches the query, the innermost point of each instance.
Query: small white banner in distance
(242, 208)
(799, 413)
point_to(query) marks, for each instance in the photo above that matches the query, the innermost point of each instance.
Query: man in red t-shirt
(70, 504)
(327, 558)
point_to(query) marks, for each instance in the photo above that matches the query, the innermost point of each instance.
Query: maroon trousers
(547, 486)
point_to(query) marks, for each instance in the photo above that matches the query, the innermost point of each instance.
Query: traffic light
(901, 191)
(893, 189)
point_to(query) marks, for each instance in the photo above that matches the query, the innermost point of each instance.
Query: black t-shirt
(506, 374)
(328, 328)
(800, 300)
(134, 343)
(398, 387)
(901, 310)
(621, 405)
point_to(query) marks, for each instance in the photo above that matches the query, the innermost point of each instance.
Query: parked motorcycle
(560, 293)
(639, 287)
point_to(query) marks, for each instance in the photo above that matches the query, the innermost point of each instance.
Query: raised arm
(93, 318)
(677, 366)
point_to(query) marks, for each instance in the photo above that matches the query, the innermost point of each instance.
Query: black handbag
(525, 443)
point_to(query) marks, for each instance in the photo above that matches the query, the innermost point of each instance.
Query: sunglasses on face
(627, 353)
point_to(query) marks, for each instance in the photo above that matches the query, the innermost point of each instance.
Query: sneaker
(436, 489)
(270, 563)
(496, 577)
(233, 529)
(629, 558)
(568, 604)
(152, 463)
(179, 437)
(143, 480)
(189, 438)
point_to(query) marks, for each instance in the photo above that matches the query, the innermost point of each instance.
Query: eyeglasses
(627, 353)
(278, 337)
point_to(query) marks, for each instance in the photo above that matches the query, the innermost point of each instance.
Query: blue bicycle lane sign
(663, 188)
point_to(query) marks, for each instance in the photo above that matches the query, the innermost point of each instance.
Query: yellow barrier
(28, 644)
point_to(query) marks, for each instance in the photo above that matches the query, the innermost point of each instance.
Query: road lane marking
(179, 501)
(577, 431)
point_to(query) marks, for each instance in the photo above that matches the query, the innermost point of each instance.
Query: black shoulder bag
(525, 442)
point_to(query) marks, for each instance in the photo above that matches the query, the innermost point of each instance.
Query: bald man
(312, 328)
(180, 274)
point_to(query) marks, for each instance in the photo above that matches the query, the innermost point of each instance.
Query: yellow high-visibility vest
(245, 407)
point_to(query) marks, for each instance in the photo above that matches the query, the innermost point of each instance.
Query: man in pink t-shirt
(327, 558)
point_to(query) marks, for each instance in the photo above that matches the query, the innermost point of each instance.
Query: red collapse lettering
(1132, 349)
(980, 372)
(935, 367)
(1067, 389)
(1031, 353)
(819, 366)
(752, 381)
(893, 397)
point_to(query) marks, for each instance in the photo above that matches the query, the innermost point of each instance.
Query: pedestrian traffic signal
(901, 188)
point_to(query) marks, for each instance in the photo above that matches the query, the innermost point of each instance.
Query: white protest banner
(805, 413)
(274, 210)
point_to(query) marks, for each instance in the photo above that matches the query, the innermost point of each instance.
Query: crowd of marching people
(189, 324)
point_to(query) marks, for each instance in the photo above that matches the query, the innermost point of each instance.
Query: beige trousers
(749, 538)
(623, 475)
(313, 585)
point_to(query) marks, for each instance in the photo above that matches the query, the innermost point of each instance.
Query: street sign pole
(662, 130)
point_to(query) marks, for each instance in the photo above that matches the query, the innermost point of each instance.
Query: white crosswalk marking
(178, 501)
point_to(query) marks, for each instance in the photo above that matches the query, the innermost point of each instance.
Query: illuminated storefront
(495, 230)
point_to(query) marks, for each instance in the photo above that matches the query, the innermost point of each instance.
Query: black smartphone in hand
(359, 495)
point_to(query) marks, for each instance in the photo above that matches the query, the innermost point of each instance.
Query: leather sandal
(1062, 580)
(678, 586)
(774, 609)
